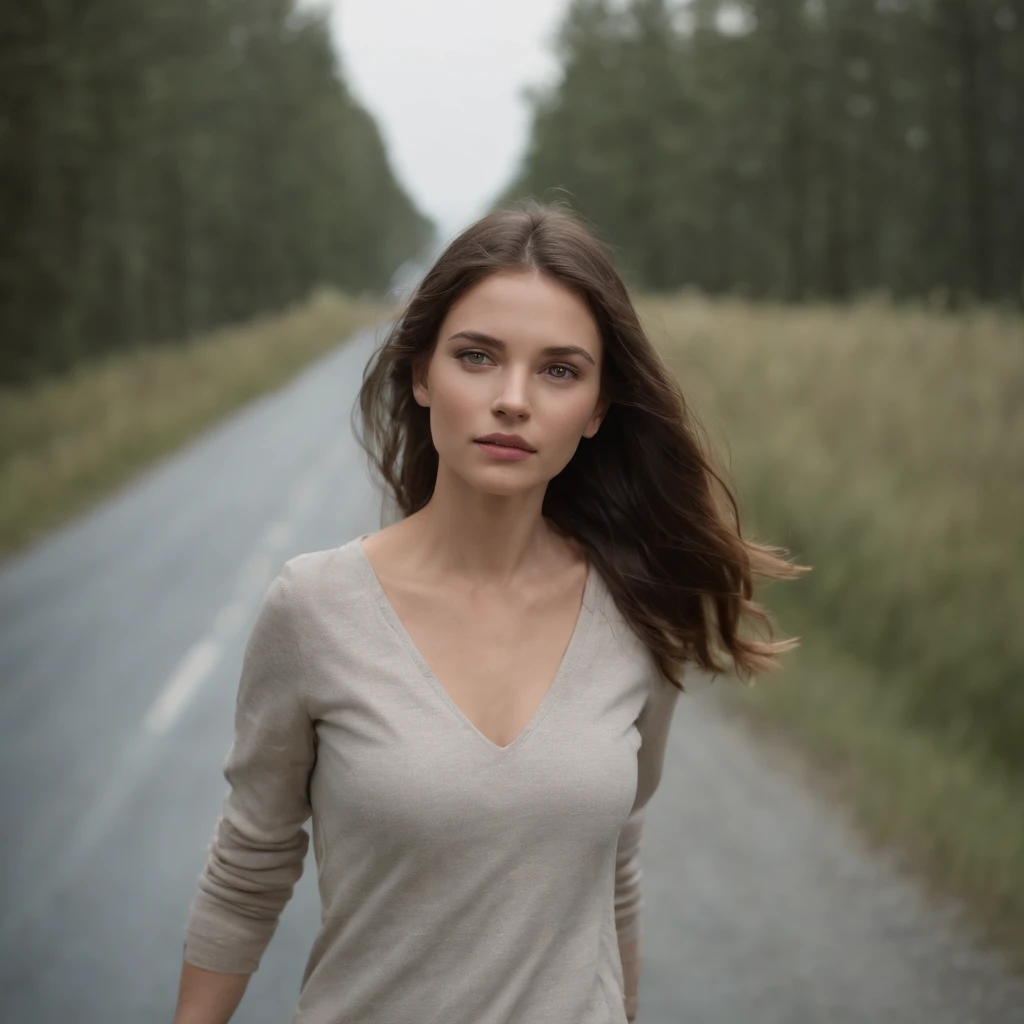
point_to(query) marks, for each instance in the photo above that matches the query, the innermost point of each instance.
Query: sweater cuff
(217, 944)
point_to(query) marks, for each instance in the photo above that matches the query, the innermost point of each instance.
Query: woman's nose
(513, 395)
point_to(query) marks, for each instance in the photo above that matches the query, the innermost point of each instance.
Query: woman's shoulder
(319, 599)
(318, 575)
(618, 625)
(632, 645)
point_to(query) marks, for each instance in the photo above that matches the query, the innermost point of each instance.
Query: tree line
(173, 165)
(794, 149)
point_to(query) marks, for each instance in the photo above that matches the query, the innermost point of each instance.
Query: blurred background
(212, 209)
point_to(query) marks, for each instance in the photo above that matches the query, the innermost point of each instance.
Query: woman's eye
(569, 371)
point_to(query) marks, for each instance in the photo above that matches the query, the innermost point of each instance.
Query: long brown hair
(642, 495)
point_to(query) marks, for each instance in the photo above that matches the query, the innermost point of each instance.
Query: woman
(473, 704)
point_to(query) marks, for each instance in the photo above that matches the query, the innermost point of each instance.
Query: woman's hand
(208, 997)
(630, 955)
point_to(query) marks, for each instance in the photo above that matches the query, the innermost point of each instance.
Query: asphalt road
(121, 640)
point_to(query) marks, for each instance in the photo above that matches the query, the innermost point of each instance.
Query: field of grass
(67, 442)
(884, 446)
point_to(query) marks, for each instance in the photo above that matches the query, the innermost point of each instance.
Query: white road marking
(302, 495)
(256, 571)
(203, 657)
(277, 536)
(230, 619)
(190, 674)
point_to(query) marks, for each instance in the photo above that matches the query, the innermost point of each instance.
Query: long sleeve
(628, 905)
(256, 854)
(654, 725)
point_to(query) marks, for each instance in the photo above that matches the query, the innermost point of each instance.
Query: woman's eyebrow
(552, 350)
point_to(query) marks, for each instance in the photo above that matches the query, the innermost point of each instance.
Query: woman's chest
(396, 754)
(495, 662)
(497, 674)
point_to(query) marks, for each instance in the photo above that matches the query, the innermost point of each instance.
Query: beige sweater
(461, 882)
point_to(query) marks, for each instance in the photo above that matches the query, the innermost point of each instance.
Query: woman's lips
(502, 451)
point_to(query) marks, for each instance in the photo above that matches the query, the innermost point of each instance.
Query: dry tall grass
(884, 446)
(66, 442)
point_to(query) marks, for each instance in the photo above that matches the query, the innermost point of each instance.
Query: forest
(793, 149)
(173, 166)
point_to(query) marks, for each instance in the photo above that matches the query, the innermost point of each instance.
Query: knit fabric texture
(461, 882)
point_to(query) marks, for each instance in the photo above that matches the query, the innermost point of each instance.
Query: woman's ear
(420, 390)
(601, 409)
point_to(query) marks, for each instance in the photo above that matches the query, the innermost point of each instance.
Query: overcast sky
(443, 79)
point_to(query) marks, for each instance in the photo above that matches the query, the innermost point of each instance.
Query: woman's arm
(208, 997)
(258, 845)
(628, 904)
(654, 725)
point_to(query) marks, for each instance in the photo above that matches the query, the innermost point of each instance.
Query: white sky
(443, 79)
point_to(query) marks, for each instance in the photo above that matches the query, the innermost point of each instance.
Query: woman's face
(494, 370)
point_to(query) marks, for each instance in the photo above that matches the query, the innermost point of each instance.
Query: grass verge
(882, 444)
(67, 442)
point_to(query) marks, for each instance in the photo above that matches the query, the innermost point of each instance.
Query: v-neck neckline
(562, 675)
